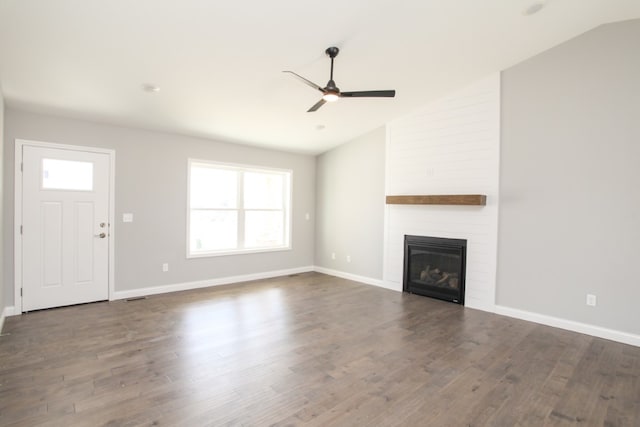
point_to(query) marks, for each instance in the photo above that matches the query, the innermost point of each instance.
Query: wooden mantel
(441, 199)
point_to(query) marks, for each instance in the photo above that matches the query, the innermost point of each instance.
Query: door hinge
(21, 167)
(20, 291)
(20, 229)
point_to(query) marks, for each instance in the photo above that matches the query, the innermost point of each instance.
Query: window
(235, 209)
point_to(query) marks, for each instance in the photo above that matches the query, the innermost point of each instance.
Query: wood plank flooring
(306, 350)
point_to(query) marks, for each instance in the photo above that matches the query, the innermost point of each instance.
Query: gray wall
(570, 170)
(151, 183)
(350, 206)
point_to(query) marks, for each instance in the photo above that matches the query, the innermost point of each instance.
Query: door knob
(101, 235)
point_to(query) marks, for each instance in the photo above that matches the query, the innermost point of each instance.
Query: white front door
(65, 220)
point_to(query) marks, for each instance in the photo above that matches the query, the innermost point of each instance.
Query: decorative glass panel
(67, 175)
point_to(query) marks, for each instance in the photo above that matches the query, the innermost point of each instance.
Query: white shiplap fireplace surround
(451, 146)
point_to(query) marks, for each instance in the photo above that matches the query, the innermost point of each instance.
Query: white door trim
(17, 236)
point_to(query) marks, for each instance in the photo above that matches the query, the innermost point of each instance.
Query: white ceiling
(219, 63)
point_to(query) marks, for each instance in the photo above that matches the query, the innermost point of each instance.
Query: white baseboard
(154, 290)
(8, 311)
(570, 325)
(583, 328)
(479, 305)
(354, 277)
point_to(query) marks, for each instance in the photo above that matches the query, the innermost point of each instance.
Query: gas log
(437, 277)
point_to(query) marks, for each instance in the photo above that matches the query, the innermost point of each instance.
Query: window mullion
(240, 207)
(284, 210)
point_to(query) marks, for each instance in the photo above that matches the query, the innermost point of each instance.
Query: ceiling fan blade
(369, 94)
(305, 81)
(316, 106)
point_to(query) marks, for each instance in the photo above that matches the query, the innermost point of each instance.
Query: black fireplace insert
(435, 267)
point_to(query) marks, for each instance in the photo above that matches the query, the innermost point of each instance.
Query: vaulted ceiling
(219, 65)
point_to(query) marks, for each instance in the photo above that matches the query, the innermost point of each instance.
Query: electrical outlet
(165, 267)
(333, 255)
(591, 300)
(348, 258)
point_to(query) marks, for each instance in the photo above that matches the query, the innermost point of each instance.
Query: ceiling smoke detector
(533, 8)
(147, 87)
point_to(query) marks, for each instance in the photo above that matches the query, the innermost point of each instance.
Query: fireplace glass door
(435, 267)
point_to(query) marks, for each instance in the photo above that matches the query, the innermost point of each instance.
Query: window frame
(242, 168)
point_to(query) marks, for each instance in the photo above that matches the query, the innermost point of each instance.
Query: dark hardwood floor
(310, 350)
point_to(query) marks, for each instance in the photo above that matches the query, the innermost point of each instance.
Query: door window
(67, 175)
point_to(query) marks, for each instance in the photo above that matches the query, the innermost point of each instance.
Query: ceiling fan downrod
(332, 52)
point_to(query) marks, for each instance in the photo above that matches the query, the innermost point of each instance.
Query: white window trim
(241, 251)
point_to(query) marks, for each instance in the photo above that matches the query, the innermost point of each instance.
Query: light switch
(127, 217)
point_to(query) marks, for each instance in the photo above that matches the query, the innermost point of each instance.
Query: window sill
(237, 252)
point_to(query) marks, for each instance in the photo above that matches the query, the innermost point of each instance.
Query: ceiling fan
(331, 93)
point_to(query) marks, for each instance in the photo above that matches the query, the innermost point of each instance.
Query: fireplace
(435, 267)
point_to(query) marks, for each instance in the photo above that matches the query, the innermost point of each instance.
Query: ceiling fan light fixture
(331, 92)
(330, 96)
